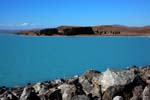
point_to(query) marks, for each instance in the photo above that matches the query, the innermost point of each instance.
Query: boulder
(145, 72)
(54, 95)
(113, 91)
(135, 98)
(147, 78)
(33, 96)
(25, 94)
(90, 82)
(134, 69)
(146, 93)
(43, 89)
(7, 95)
(135, 88)
(79, 88)
(87, 85)
(57, 81)
(68, 91)
(116, 77)
(17, 91)
(37, 87)
(92, 75)
(96, 92)
(137, 93)
(2, 90)
(118, 98)
(51, 94)
(80, 97)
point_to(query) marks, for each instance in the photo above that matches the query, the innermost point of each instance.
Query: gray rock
(136, 98)
(53, 94)
(118, 98)
(90, 83)
(8, 95)
(137, 91)
(96, 91)
(80, 97)
(112, 91)
(37, 87)
(17, 91)
(72, 80)
(25, 94)
(29, 94)
(57, 82)
(116, 77)
(87, 85)
(146, 93)
(92, 74)
(68, 91)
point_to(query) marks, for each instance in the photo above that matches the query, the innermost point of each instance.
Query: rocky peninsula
(103, 30)
(126, 84)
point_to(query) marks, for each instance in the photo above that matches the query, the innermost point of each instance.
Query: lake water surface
(31, 59)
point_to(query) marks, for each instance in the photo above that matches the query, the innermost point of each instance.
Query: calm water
(31, 59)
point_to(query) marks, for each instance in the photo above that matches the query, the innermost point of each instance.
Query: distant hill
(10, 31)
(103, 30)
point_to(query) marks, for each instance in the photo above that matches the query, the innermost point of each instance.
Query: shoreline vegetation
(126, 84)
(103, 30)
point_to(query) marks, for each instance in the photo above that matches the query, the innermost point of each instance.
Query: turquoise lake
(26, 59)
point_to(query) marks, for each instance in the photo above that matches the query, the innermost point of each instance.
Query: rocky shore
(126, 84)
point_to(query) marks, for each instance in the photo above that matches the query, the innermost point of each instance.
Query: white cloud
(25, 24)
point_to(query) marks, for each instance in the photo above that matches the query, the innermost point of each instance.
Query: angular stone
(54, 94)
(87, 86)
(68, 91)
(136, 98)
(112, 91)
(90, 82)
(146, 93)
(137, 91)
(80, 97)
(118, 98)
(116, 77)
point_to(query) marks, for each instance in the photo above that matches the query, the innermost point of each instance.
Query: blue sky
(20, 14)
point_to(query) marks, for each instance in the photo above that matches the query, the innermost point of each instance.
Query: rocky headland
(103, 30)
(126, 84)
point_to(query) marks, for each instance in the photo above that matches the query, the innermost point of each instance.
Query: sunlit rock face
(116, 77)
(146, 93)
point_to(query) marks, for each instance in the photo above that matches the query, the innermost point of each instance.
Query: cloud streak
(25, 24)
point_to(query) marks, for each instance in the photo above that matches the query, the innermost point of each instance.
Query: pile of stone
(128, 84)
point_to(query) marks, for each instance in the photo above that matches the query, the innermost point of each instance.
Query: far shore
(103, 30)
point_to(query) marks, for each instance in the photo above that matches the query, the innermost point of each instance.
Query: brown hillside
(103, 30)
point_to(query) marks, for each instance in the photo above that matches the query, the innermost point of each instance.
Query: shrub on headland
(79, 31)
(49, 32)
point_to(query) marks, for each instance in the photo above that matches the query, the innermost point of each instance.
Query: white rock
(67, 91)
(37, 87)
(118, 98)
(146, 93)
(115, 77)
(26, 92)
